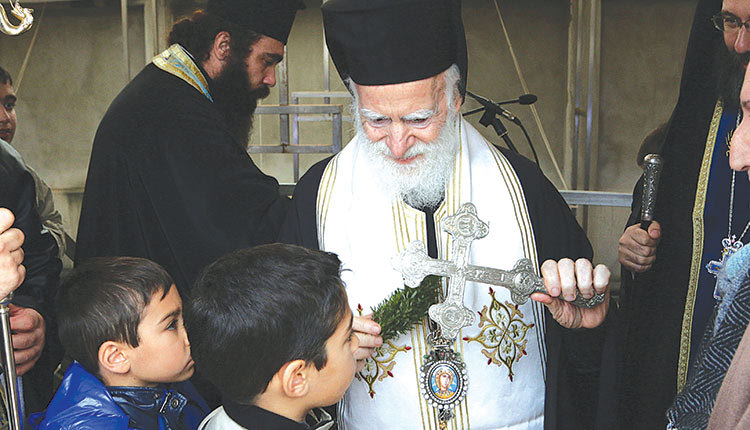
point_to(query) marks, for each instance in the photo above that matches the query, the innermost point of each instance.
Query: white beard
(421, 183)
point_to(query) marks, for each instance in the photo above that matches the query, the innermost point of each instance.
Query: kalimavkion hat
(381, 42)
(272, 18)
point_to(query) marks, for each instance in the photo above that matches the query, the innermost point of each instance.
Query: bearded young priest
(413, 162)
(169, 177)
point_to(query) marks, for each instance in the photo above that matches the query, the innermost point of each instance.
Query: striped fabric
(693, 405)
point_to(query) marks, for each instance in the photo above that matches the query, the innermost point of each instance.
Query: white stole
(366, 228)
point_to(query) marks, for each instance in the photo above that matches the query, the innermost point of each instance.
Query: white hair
(420, 183)
(452, 81)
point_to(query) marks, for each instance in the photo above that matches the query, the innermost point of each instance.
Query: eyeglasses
(728, 23)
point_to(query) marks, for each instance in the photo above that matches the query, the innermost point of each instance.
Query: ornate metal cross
(464, 226)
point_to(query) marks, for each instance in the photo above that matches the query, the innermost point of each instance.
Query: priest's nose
(270, 78)
(742, 43)
(399, 140)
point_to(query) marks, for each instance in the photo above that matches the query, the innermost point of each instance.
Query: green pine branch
(406, 307)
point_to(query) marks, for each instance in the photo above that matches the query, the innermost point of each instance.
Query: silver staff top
(652, 164)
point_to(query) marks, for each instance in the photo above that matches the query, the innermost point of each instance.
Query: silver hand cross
(464, 226)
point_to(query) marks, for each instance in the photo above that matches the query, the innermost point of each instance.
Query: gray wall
(76, 69)
(642, 50)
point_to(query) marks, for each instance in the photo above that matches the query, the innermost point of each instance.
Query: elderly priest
(413, 163)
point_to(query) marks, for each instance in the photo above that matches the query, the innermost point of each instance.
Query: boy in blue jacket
(120, 319)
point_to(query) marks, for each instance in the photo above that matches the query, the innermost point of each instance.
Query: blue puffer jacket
(82, 402)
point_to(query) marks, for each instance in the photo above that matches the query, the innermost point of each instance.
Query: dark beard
(235, 100)
(731, 75)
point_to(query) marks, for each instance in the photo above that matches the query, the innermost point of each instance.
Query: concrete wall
(76, 69)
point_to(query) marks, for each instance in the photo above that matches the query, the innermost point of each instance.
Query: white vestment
(504, 349)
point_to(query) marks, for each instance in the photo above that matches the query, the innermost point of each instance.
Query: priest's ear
(221, 48)
(219, 55)
(294, 378)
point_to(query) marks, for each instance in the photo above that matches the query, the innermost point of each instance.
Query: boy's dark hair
(5, 77)
(197, 32)
(254, 310)
(103, 299)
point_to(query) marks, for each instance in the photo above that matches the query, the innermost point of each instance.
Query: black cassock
(168, 182)
(574, 399)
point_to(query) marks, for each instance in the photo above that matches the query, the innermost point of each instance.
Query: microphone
(525, 99)
(495, 107)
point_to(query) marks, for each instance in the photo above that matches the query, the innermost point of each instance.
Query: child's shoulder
(81, 402)
(218, 419)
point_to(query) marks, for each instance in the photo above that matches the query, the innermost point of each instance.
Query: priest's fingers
(365, 324)
(601, 278)
(551, 278)
(566, 269)
(633, 261)
(11, 240)
(636, 249)
(654, 231)
(363, 353)
(584, 274)
(6, 219)
(367, 332)
(635, 237)
(12, 272)
(368, 340)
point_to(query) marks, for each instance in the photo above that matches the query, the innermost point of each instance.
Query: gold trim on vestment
(324, 197)
(195, 78)
(698, 233)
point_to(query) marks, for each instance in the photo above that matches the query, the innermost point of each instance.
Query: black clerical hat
(272, 18)
(381, 42)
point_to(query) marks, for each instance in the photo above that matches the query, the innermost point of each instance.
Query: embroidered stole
(176, 61)
(504, 350)
(710, 223)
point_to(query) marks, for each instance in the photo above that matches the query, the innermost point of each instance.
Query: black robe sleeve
(168, 182)
(299, 226)
(41, 259)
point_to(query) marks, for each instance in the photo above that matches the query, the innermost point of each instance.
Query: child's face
(163, 352)
(336, 376)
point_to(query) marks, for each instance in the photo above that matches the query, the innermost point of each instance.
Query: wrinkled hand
(563, 279)
(368, 332)
(12, 272)
(27, 326)
(637, 247)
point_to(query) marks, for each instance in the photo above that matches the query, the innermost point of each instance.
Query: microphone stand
(493, 110)
(490, 118)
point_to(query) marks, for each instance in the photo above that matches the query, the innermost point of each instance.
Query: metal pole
(9, 375)
(124, 24)
(150, 33)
